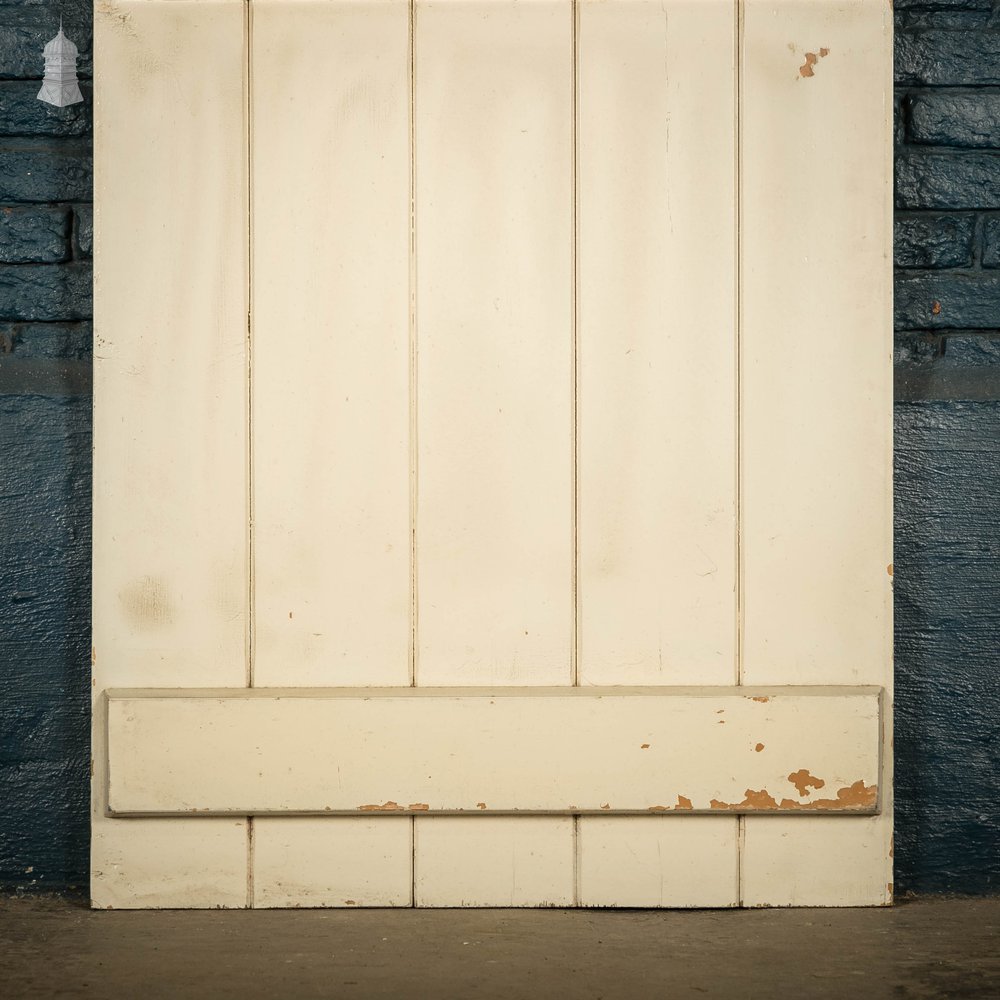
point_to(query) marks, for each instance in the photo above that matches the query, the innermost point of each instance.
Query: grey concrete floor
(928, 948)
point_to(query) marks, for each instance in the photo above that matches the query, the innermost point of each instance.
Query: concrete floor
(930, 948)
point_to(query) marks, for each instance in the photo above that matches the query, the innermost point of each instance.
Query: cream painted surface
(440, 319)
(331, 355)
(323, 862)
(493, 134)
(817, 381)
(494, 861)
(826, 861)
(170, 416)
(510, 749)
(658, 861)
(657, 342)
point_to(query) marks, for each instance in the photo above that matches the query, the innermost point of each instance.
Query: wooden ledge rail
(600, 751)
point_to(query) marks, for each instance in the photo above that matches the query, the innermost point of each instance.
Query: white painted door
(492, 476)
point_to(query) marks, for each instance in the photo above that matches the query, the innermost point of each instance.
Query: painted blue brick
(25, 28)
(84, 215)
(932, 240)
(48, 341)
(934, 300)
(938, 56)
(45, 291)
(35, 234)
(955, 119)
(45, 170)
(21, 113)
(991, 241)
(949, 179)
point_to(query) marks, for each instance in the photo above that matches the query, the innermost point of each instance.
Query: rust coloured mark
(644, 746)
(759, 747)
(763, 699)
(419, 806)
(936, 308)
(803, 780)
(683, 802)
(350, 902)
(888, 569)
(480, 805)
(389, 806)
(806, 69)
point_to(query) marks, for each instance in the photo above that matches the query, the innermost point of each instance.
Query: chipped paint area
(389, 806)
(803, 781)
(858, 797)
(812, 58)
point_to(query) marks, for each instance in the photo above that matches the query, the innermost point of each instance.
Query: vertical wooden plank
(825, 861)
(816, 394)
(170, 423)
(331, 359)
(332, 862)
(657, 342)
(658, 861)
(493, 861)
(657, 400)
(331, 401)
(493, 131)
(493, 146)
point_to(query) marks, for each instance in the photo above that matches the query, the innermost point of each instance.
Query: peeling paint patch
(644, 746)
(856, 797)
(389, 806)
(806, 69)
(659, 809)
(419, 806)
(759, 747)
(803, 781)
(683, 802)
(763, 699)
(480, 805)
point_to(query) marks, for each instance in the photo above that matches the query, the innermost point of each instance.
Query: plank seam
(413, 419)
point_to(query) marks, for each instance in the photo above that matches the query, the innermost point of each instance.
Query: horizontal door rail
(577, 751)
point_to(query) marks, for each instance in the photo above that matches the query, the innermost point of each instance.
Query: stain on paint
(146, 603)
(389, 806)
(888, 569)
(605, 805)
(644, 746)
(763, 699)
(480, 805)
(350, 902)
(803, 781)
(759, 747)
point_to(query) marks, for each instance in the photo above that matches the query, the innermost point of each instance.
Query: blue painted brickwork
(45, 337)
(947, 450)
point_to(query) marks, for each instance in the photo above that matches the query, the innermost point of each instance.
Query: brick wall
(45, 337)
(947, 450)
(947, 537)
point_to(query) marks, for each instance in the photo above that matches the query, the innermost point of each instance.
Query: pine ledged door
(482, 517)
